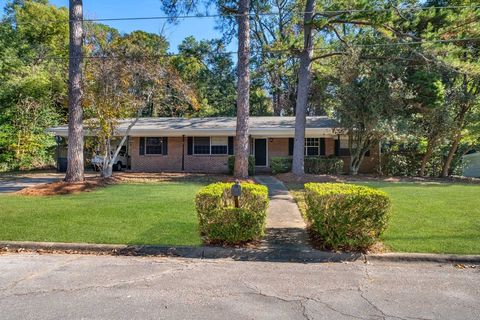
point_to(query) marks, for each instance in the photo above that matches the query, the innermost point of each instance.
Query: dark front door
(261, 152)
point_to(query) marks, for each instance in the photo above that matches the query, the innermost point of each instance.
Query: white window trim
(209, 148)
(306, 147)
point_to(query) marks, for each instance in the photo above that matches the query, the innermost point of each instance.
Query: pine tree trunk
(243, 90)
(304, 75)
(75, 165)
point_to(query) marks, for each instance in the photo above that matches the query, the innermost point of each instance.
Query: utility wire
(324, 12)
(292, 50)
(234, 15)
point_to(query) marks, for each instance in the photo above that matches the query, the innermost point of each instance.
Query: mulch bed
(92, 183)
(291, 178)
(63, 188)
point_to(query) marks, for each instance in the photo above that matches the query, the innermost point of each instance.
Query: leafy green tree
(122, 83)
(208, 68)
(32, 83)
(371, 99)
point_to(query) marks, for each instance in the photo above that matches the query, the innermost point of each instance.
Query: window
(312, 146)
(343, 143)
(201, 145)
(210, 145)
(219, 145)
(344, 149)
(153, 145)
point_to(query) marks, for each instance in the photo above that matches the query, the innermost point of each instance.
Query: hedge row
(313, 165)
(346, 216)
(220, 221)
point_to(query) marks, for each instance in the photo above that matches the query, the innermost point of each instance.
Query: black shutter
(190, 145)
(337, 147)
(142, 146)
(230, 145)
(290, 146)
(322, 146)
(165, 146)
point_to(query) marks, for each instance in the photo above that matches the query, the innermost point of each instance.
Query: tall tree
(304, 75)
(75, 164)
(239, 9)
(243, 90)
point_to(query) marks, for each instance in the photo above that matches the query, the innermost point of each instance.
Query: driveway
(13, 183)
(16, 182)
(106, 287)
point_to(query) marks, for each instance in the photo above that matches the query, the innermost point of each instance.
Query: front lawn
(125, 213)
(437, 218)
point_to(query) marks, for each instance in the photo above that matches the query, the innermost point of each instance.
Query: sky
(203, 28)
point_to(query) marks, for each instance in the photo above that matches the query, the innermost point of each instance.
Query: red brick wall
(157, 162)
(172, 162)
(277, 147)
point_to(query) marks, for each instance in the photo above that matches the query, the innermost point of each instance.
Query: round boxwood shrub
(221, 222)
(346, 216)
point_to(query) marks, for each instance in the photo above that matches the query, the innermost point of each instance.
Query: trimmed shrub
(251, 165)
(313, 165)
(281, 164)
(346, 216)
(322, 165)
(220, 221)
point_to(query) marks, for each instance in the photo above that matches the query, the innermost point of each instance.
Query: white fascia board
(269, 132)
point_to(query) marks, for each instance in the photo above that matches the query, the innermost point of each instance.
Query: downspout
(183, 152)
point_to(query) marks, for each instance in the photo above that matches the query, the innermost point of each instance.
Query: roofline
(175, 132)
(271, 132)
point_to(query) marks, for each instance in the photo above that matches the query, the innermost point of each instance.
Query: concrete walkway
(285, 225)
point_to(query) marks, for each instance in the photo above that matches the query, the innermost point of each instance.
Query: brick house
(204, 144)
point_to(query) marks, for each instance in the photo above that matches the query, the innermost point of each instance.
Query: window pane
(154, 149)
(312, 151)
(219, 141)
(154, 141)
(219, 149)
(201, 150)
(219, 145)
(312, 142)
(201, 141)
(201, 145)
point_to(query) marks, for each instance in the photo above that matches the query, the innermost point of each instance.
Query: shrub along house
(205, 144)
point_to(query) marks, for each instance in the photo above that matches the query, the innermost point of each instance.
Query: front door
(261, 152)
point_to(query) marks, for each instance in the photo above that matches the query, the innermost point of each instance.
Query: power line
(292, 50)
(233, 15)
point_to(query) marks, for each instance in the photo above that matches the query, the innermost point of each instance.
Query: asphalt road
(105, 287)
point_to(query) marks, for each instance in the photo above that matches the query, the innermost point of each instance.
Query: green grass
(125, 213)
(436, 218)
